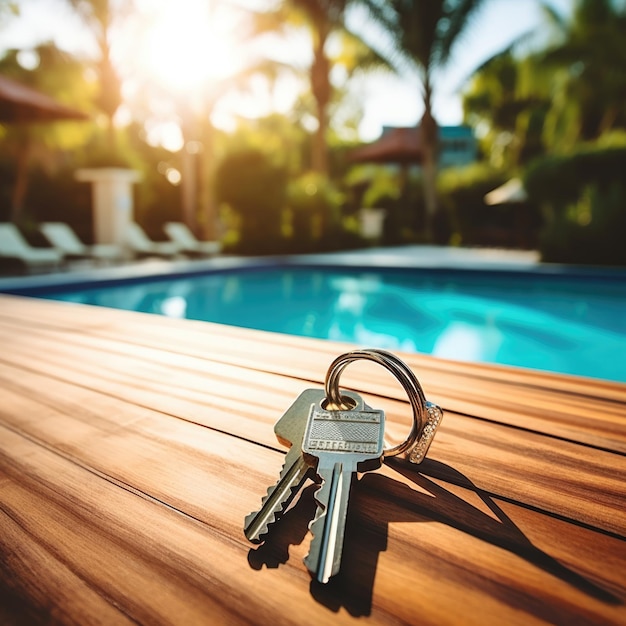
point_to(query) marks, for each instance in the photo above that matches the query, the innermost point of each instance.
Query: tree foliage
(255, 187)
(550, 99)
(550, 111)
(591, 58)
(508, 100)
(583, 196)
(99, 16)
(423, 37)
(326, 21)
(57, 74)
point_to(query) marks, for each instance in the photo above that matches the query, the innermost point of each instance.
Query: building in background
(457, 146)
(402, 146)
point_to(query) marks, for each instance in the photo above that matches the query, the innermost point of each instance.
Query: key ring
(426, 416)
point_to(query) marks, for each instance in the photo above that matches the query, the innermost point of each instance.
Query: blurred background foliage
(583, 198)
(254, 186)
(552, 113)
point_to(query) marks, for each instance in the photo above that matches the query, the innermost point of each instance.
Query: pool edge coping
(380, 260)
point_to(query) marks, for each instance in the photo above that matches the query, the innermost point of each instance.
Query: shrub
(583, 197)
(315, 210)
(471, 221)
(255, 188)
(396, 190)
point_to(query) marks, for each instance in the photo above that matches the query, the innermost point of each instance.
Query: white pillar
(112, 195)
(371, 222)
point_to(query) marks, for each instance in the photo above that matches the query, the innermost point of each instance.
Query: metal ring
(403, 374)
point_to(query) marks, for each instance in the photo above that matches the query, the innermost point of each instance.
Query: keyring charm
(426, 415)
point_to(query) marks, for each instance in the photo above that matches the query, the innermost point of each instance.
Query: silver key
(342, 442)
(290, 432)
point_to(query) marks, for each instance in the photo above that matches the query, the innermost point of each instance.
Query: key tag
(426, 415)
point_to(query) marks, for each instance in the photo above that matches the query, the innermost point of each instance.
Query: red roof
(19, 103)
(396, 145)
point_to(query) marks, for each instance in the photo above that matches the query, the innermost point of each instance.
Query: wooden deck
(133, 446)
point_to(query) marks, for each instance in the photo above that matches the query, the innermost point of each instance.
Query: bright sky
(396, 101)
(386, 100)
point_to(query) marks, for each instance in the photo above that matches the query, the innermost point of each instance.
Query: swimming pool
(569, 324)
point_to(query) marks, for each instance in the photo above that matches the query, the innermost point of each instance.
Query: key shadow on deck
(377, 501)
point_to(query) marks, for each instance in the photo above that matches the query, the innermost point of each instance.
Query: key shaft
(328, 527)
(343, 442)
(296, 469)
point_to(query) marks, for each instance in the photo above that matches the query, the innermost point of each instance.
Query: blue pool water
(562, 324)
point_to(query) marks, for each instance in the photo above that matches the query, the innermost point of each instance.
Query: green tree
(326, 22)
(424, 34)
(588, 60)
(59, 75)
(582, 195)
(571, 89)
(507, 101)
(191, 106)
(99, 16)
(255, 187)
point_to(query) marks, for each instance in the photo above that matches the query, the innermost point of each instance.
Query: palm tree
(325, 19)
(424, 34)
(99, 16)
(590, 57)
(509, 98)
(572, 89)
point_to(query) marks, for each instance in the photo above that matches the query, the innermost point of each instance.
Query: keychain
(333, 434)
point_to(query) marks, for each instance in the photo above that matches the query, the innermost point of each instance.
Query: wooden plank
(155, 564)
(465, 548)
(36, 586)
(522, 466)
(247, 344)
(596, 421)
(121, 440)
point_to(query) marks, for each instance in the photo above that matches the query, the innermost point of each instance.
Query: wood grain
(570, 407)
(132, 447)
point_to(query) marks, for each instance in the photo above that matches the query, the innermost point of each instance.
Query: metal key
(341, 442)
(290, 432)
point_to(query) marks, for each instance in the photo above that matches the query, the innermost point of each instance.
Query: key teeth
(259, 536)
(320, 498)
(316, 525)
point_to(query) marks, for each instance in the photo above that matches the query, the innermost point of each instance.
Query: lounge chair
(141, 245)
(180, 234)
(14, 246)
(62, 237)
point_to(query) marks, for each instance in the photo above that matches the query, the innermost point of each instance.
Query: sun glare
(177, 56)
(187, 45)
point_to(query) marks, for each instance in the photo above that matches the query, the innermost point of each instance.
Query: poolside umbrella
(22, 104)
(396, 145)
(512, 192)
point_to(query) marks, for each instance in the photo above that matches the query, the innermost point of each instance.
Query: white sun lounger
(14, 246)
(180, 234)
(62, 237)
(140, 244)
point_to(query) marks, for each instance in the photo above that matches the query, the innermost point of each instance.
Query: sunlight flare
(188, 45)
